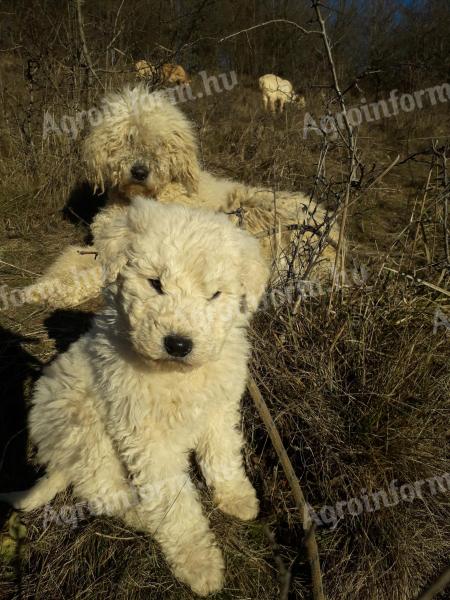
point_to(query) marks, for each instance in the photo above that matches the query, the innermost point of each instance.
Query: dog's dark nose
(139, 172)
(177, 345)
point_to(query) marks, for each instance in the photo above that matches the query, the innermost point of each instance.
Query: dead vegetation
(360, 395)
(359, 390)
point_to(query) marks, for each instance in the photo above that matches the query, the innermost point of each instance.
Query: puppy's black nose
(139, 172)
(177, 345)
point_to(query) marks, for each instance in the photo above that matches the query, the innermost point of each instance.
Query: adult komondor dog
(160, 373)
(144, 144)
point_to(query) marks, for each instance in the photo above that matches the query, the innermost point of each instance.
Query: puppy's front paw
(21, 500)
(239, 500)
(202, 569)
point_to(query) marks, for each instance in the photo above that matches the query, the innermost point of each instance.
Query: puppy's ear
(95, 156)
(184, 163)
(112, 234)
(114, 230)
(254, 273)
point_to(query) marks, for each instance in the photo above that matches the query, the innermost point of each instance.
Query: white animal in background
(161, 373)
(277, 91)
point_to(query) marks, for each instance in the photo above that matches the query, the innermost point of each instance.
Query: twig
(113, 537)
(295, 227)
(284, 573)
(13, 47)
(438, 586)
(87, 56)
(3, 262)
(70, 209)
(442, 154)
(310, 539)
(385, 172)
(83, 252)
(354, 83)
(419, 220)
(351, 146)
(426, 152)
(418, 281)
(302, 29)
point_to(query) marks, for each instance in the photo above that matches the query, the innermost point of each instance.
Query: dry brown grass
(360, 394)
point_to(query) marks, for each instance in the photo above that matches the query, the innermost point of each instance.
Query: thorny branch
(351, 148)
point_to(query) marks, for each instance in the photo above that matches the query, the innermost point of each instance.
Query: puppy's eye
(156, 285)
(216, 295)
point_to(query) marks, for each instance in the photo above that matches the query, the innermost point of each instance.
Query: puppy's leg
(41, 493)
(69, 432)
(74, 277)
(172, 512)
(219, 455)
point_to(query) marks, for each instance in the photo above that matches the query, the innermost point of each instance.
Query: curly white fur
(116, 415)
(145, 145)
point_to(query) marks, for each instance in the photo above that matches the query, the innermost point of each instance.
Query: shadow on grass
(82, 206)
(18, 371)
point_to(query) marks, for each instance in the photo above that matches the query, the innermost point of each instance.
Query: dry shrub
(360, 395)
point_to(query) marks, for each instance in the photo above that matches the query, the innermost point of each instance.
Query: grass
(360, 393)
(361, 398)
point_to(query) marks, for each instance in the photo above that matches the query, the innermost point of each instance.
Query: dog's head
(181, 279)
(139, 143)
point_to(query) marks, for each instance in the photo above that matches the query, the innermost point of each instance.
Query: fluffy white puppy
(143, 144)
(161, 372)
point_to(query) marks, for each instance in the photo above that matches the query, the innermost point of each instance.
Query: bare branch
(418, 281)
(438, 586)
(284, 573)
(310, 539)
(259, 25)
(351, 147)
(86, 54)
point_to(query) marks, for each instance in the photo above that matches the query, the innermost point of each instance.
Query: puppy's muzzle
(139, 172)
(177, 346)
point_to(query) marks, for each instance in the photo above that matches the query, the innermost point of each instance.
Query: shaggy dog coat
(144, 145)
(117, 414)
(277, 91)
(166, 73)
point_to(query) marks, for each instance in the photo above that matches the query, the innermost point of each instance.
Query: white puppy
(161, 372)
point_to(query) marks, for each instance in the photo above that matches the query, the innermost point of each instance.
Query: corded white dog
(161, 372)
